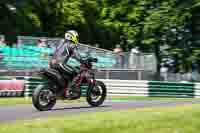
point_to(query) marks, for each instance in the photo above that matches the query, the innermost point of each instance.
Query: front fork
(89, 83)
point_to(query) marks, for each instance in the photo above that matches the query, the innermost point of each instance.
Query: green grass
(178, 119)
(149, 98)
(15, 101)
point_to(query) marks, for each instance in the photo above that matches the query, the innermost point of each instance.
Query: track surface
(21, 112)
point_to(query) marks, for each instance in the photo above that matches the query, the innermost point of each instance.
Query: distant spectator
(120, 56)
(195, 72)
(133, 58)
(97, 45)
(2, 42)
(19, 42)
(135, 50)
(41, 43)
(164, 71)
(1, 55)
(118, 50)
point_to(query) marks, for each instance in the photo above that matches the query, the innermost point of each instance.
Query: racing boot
(71, 94)
(74, 93)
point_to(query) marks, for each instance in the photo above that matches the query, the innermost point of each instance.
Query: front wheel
(43, 98)
(96, 94)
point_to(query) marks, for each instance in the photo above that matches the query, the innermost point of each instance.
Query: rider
(62, 54)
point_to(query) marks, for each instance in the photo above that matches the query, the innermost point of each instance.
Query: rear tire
(37, 101)
(102, 92)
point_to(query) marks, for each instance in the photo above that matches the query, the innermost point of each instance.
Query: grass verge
(15, 101)
(179, 119)
(148, 98)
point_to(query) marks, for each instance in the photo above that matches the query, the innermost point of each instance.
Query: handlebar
(88, 62)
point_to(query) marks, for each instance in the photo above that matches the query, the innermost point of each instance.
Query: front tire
(96, 94)
(43, 93)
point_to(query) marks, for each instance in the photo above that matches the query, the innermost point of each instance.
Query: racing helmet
(72, 36)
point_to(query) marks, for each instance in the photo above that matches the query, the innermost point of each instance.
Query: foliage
(147, 24)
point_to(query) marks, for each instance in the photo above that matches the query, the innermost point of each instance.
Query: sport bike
(58, 79)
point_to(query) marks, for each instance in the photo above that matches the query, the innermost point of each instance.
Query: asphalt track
(27, 112)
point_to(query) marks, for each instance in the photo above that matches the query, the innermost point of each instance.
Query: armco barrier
(197, 90)
(116, 88)
(127, 87)
(175, 89)
(153, 88)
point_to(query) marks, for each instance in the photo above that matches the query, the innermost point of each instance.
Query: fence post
(107, 74)
(26, 89)
(139, 75)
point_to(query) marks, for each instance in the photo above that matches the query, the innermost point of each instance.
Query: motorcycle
(44, 96)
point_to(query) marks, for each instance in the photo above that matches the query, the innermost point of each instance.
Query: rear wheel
(43, 98)
(96, 94)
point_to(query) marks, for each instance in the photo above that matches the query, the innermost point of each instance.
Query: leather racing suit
(66, 50)
(61, 55)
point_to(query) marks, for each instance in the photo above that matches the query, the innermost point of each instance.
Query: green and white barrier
(115, 87)
(127, 87)
(153, 88)
(172, 89)
(197, 90)
(31, 84)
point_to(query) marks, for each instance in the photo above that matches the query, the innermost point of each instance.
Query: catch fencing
(127, 60)
(33, 53)
(115, 88)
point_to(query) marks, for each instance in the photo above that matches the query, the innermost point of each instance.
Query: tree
(16, 20)
(148, 24)
(145, 23)
(163, 17)
(114, 16)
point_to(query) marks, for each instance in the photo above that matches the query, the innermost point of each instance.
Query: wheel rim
(97, 93)
(45, 97)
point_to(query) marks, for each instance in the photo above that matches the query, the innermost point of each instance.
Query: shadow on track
(81, 107)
